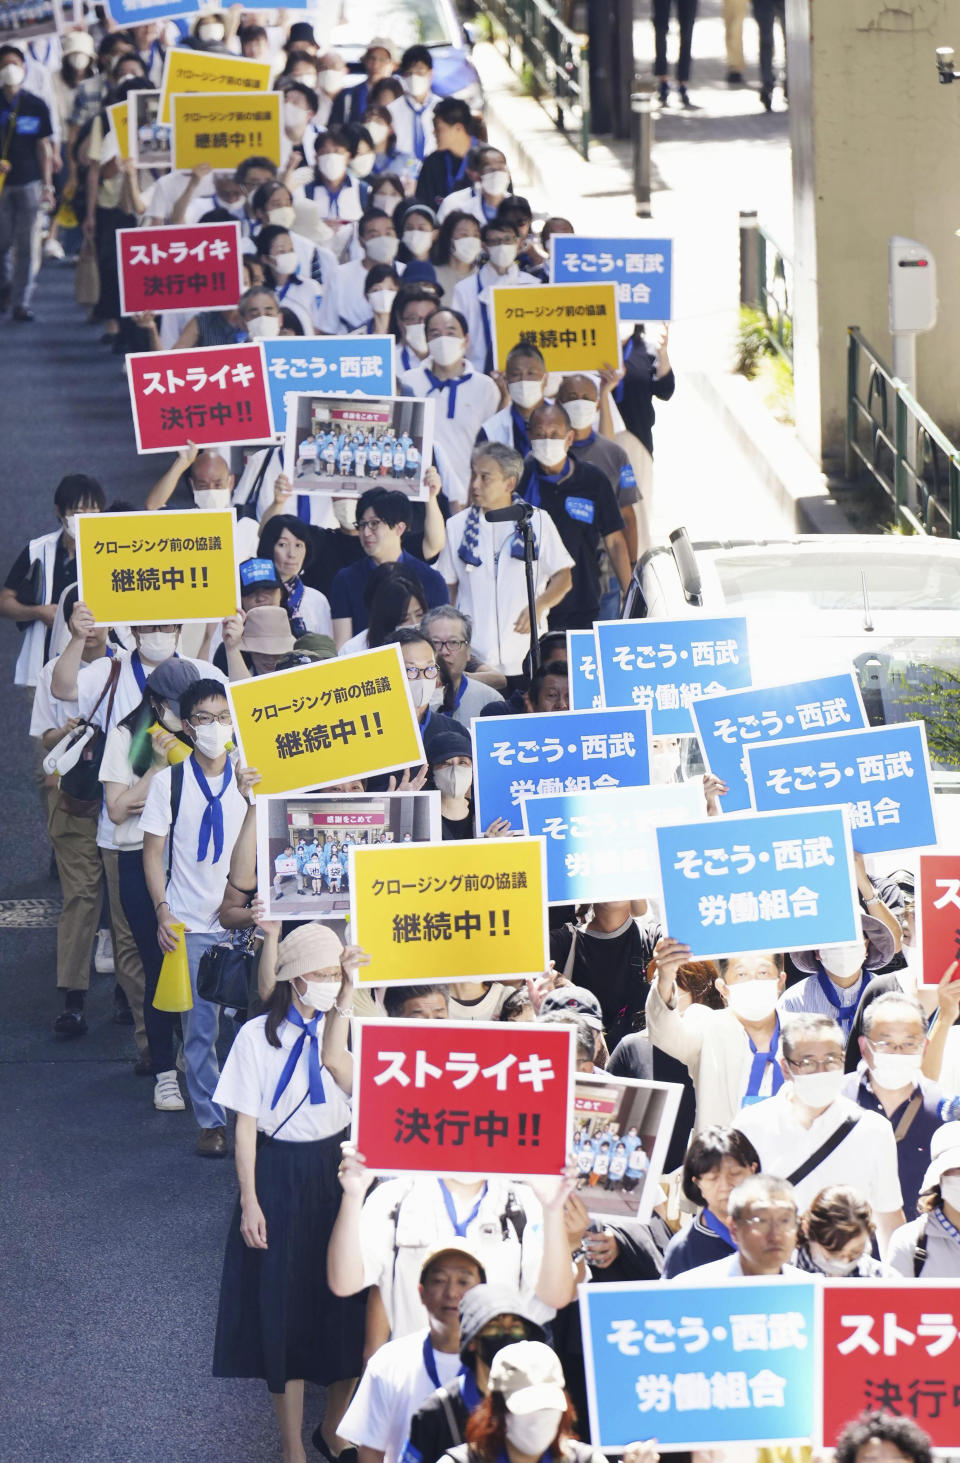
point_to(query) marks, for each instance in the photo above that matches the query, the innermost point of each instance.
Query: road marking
(29, 914)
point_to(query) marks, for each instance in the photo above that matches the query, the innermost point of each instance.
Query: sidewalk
(725, 156)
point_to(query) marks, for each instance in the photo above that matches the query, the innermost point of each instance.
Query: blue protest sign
(602, 845)
(556, 751)
(582, 665)
(641, 269)
(666, 665)
(337, 365)
(727, 725)
(882, 776)
(701, 1365)
(759, 881)
(129, 12)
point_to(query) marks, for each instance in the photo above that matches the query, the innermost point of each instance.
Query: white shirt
(355, 643)
(393, 1244)
(304, 297)
(402, 112)
(344, 303)
(167, 190)
(47, 712)
(320, 504)
(714, 1048)
(249, 1080)
(943, 1252)
(483, 1010)
(315, 612)
(394, 1385)
(730, 1268)
(115, 767)
(466, 200)
(476, 399)
(472, 298)
(494, 593)
(866, 1160)
(194, 889)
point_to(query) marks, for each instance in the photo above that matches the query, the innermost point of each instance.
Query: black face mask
(487, 1347)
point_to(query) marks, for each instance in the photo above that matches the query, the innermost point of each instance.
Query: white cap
(944, 1154)
(528, 1375)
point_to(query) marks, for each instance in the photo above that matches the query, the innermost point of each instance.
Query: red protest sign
(463, 1097)
(892, 1347)
(179, 267)
(938, 913)
(214, 394)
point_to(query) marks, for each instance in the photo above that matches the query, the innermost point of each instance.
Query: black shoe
(143, 1067)
(122, 1015)
(349, 1455)
(21, 313)
(766, 98)
(70, 1023)
(734, 78)
(5, 293)
(664, 93)
(684, 98)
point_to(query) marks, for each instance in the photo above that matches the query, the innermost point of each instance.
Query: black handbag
(30, 591)
(225, 972)
(80, 787)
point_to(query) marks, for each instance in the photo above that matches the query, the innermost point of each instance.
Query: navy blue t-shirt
(695, 1245)
(346, 591)
(913, 1150)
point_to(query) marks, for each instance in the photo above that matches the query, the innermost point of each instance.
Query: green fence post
(853, 375)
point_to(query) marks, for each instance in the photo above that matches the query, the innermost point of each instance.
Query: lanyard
(460, 1227)
(138, 671)
(430, 1362)
(461, 693)
(453, 178)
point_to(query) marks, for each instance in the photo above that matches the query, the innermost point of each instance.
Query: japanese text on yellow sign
(157, 568)
(329, 722)
(198, 71)
(223, 129)
(453, 911)
(120, 122)
(574, 326)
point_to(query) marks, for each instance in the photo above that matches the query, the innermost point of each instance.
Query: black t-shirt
(442, 174)
(32, 123)
(636, 1056)
(454, 828)
(332, 551)
(639, 387)
(612, 966)
(64, 574)
(584, 508)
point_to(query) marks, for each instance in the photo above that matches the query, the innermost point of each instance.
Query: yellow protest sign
(119, 121)
(158, 568)
(329, 722)
(574, 326)
(224, 128)
(469, 910)
(204, 71)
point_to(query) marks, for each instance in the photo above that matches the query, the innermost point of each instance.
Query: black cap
(170, 680)
(483, 1303)
(301, 30)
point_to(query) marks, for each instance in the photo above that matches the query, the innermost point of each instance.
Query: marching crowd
(815, 1131)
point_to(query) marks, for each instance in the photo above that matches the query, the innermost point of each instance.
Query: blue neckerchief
(951, 1229)
(419, 136)
(468, 550)
(294, 588)
(760, 1060)
(460, 1227)
(294, 279)
(469, 1390)
(212, 820)
(844, 1014)
(453, 178)
(311, 1034)
(303, 513)
(140, 674)
(407, 361)
(537, 477)
(452, 385)
(716, 1226)
(521, 436)
(587, 441)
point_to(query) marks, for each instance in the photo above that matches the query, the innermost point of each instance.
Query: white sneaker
(53, 249)
(166, 1093)
(103, 956)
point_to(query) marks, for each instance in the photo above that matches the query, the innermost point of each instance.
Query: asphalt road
(113, 1229)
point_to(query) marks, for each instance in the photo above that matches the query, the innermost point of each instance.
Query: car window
(833, 581)
(406, 22)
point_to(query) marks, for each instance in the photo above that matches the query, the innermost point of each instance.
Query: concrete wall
(876, 151)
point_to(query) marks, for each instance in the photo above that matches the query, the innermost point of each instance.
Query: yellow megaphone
(179, 752)
(173, 991)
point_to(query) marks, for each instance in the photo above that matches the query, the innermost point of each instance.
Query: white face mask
(213, 497)
(495, 184)
(282, 218)
(950, 1190)
(445, 350)
(379, 132)
(527, 394)
(842, 960)
(417, 84)
(753, 1000)
(236, 209)
(382, 249)
(210, 34)
(419, 242)
(12, 75)
(157, 645)
(466, 248)
(319, 995)
(829, 1264)
(416, 337)
(533, 1433)
(263, 327)
(381, 301)
(332, 166)
(894, 1070)
(664, 767)
(819, 1089)
(502, 255)
(387, 203)
(345, 512)
(332, 82)
(70, 525)
(286, 263)
(212, 740)
(549, 451)
(362, 166)
(581, 413)
(453, 782)
(420, 691)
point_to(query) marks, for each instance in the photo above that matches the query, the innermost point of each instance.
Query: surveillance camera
(945, 69)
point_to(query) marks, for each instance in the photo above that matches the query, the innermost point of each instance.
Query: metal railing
(552, 58)
(766, 283)
(900, 446)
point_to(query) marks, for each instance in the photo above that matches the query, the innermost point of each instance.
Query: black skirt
(278, 1319)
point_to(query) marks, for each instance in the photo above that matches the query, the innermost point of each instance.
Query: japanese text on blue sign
(664, 666)
(700, 1366)
(582, 665)
(340, 364)
(641, 269)
(769, 881)
(565, 751)
(880, 775)
(727, 725)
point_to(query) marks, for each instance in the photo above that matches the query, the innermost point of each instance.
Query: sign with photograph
(621, 1132)
(149, 137)
(343, 445)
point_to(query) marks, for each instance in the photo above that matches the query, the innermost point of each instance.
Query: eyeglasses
(428, 672)
(204, 718)
(448, 644)
(782, 1223)
(909, 1048)
(811, 1064)
(370, 523)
